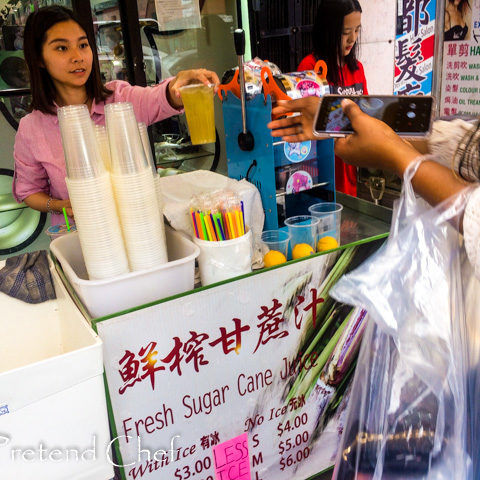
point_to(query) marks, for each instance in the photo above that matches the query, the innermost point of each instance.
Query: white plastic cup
(302, 229)
(141, 219)
(103, 145)
(142, 128)
(275, 240)
(224, 259)
(98, 227)
(329, 215)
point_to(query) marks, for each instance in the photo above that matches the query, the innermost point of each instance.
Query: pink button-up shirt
(38, 151)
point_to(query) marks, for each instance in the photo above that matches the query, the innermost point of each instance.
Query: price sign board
(258, 356)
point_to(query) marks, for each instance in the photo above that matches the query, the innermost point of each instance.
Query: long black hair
(327, 37)
(41, 85)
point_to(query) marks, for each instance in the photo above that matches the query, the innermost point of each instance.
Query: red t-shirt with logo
(354, 83)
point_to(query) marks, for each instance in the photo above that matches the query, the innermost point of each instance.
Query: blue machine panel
(290, 177)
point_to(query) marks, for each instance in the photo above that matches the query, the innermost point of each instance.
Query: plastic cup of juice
(198, 103)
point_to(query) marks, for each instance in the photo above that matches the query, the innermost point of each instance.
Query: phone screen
(406, 115)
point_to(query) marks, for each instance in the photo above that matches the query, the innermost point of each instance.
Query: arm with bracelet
(39, 179)
(44, 203)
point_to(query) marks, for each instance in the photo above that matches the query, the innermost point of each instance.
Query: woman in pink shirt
(63, 69)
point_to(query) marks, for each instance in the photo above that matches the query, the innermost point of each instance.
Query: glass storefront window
(210, 46)
(15, 107)
(13, 68)
(109, 39)
(165, 53)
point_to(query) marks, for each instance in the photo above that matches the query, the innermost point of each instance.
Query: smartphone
(408, 116)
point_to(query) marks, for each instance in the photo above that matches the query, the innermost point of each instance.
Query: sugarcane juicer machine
(289, 176)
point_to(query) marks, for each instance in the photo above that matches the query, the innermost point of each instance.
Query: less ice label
(231, 458)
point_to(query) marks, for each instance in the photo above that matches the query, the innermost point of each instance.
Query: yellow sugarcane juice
(198, 103)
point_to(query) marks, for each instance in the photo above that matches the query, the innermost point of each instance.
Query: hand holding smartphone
(408, 116)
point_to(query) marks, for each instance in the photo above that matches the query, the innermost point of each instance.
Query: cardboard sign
(177, 14)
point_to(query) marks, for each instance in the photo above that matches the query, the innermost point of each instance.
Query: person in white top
(375, 145)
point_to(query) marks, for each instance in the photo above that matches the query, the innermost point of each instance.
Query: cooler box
(53, 414)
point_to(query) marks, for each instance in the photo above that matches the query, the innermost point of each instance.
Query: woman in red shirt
(335, 33)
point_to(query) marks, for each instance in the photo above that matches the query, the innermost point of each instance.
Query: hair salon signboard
(247, 379)
(460, 93)
(414, 47)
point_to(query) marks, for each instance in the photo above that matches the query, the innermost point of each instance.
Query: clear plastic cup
(142, 128)
(276, 240)
(103, 145)
(56, 231)
(198, 104)
(126, 148)
(82, 155)
(329, 215)
(303, 231)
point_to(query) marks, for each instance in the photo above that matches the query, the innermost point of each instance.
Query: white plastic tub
(104, 297)
(52, 396)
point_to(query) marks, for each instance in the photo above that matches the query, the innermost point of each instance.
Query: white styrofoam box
(52, 396)
(104, 297)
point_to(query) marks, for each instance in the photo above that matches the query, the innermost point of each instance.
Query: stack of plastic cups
(135, 194)
(142, 128)
(103, 145)
(91, 195)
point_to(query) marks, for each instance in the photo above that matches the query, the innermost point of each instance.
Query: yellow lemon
(326, 243)
(302, 250)
(273, 257)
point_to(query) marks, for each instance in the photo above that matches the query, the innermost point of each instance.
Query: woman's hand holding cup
(187, 77)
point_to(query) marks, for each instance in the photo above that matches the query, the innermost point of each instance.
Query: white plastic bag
(407, 413)
(471, 286)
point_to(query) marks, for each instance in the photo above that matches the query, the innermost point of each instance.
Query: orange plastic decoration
(232, 86)
(321, 65)
(270, 87)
